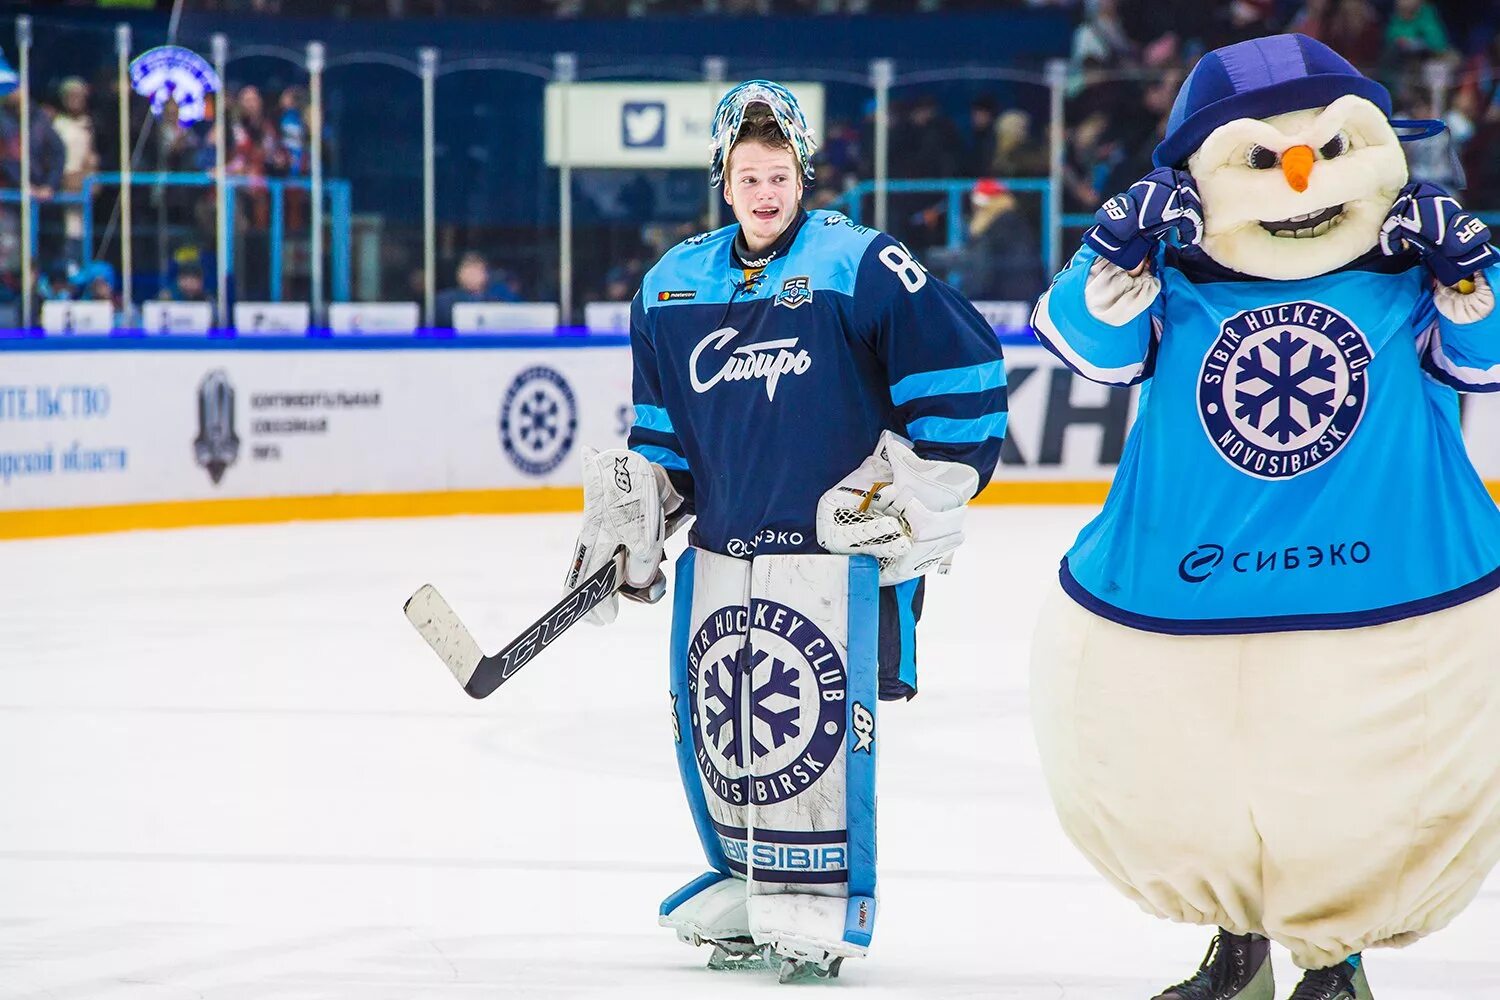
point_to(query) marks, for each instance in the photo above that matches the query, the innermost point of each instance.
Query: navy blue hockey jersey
(758, 389)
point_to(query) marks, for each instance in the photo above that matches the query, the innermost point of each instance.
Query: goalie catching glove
(627, 501)
(904, 510)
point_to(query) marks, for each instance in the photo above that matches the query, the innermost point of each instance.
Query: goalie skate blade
(795, 970)
(436, 622)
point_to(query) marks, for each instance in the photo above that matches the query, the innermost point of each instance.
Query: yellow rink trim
(49, 523)
(270, 510)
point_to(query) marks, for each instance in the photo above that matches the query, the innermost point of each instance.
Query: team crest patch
(795, 292)
(1282, 389)
(773, 708)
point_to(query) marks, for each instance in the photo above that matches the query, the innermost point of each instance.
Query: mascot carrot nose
(1297, 164)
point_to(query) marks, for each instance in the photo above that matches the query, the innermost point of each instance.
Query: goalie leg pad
(809, 719)
(710, 618)
(709, 908)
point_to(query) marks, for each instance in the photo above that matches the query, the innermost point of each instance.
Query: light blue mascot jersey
(1296, 460)
(760, 391)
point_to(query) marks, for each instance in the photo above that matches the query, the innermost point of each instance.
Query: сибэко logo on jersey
(769, 360)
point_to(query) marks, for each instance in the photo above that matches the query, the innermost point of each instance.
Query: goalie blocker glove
(627, 500)
(906, 511)
(1429, 222)
(1128, 226)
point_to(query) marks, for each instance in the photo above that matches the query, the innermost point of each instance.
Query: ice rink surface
(229, 769)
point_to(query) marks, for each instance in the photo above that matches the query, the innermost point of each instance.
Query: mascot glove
(627, 501)
(906, 511)
(1127, 227)
(1429, 222)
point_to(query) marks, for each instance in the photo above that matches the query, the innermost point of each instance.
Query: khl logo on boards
(216, 446)
(1283, 387)
(643, 124)
(538, 420)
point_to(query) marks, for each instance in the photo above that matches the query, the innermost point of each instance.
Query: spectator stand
(955, 191)
(336, 196)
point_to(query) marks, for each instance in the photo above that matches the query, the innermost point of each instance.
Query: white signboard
(607, 317)
(94, 428)
(177, 317)
(1012, 318)
(505, 317)
(62, 317)
(271, 318)
(373, 317)
(645, 124)
(98, 428)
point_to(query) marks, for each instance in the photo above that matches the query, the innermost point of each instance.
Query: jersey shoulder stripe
(692, 271)
(830, 249)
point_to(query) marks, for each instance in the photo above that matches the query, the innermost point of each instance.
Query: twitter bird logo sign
(643, 124)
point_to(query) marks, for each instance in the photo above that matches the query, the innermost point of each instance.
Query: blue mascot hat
(1257, 79)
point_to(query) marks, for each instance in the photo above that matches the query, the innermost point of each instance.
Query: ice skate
(713, 913)
(1237, 967)
(1345, 981)
(732, 954)
(800, 969)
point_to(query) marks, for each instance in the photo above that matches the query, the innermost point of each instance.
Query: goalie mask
(730, 115)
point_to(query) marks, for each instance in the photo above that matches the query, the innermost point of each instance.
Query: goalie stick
(480, 675)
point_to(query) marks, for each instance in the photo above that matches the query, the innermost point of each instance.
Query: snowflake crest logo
(767, 715)
(538, 420)
(1283, 387)
(774, 706)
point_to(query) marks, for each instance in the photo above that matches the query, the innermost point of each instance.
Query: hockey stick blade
(480, 675)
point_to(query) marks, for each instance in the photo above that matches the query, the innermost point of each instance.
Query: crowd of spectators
(1440, 59)
(75, 132)
(588, 8)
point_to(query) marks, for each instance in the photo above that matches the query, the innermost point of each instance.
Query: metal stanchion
(1057, 81)
(428, 62)
(564, 72)
(714, 70)
(315, 65)
(127, 258)
(23, 67)
(221, 208)
(882, 75)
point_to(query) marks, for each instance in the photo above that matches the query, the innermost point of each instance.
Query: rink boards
(108, 434)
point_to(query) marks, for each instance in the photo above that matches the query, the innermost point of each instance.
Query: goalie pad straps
(775, 687)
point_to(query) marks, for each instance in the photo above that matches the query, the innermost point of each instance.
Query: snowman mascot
(1266, 693)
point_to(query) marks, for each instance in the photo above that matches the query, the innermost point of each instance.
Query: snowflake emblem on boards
(538, 420)
(1283, 387)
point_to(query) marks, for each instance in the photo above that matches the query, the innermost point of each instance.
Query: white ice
(229, 769)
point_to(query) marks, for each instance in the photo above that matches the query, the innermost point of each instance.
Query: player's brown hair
(760, 126)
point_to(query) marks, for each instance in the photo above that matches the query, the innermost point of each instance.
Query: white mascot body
(1266, 692)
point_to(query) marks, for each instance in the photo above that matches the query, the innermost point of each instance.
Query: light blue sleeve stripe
(653, 418)
(975, 378)
(955, 430)
(863, 682)
(664, 457)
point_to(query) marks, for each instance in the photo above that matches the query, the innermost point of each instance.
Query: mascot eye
(1337, 146)
(1261, 158)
